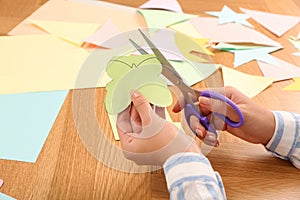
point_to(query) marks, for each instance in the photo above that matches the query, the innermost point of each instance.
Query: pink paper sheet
(231, 33)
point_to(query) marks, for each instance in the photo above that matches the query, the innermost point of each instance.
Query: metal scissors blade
(168, 70)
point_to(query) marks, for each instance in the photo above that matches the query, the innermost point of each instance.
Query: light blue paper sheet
(25, 121)
(5, 197)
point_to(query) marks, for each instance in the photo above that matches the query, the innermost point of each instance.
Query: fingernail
(199, 133)
(204, 100)
(135, 94)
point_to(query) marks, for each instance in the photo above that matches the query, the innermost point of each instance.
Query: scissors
(190, 108)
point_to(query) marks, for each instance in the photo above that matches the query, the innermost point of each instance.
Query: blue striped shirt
(190, 175)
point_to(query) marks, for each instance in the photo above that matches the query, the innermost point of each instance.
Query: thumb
(142, 106)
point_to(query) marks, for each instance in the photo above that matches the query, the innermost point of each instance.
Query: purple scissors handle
(191, 110)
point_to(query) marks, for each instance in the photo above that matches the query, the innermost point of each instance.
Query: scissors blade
(140, 49)
(168, 70)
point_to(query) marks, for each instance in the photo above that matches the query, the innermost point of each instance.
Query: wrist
(269, 129)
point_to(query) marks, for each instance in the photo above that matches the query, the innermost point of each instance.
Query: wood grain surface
(65, 169)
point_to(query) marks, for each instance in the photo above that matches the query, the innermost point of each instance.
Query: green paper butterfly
(135, 72)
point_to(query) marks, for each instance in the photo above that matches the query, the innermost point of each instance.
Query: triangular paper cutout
(276, 23)
(186, 28)
(161, 18)
(295, 86)
(70, 31)
(106, 31)
(209, 27)
(248, 84)
(284, 71)
(171, 5)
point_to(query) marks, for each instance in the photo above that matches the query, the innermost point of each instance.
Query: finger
(215, 105)
(124, 126)
(179, 105)
(197, 127)
(142, 106)
(135, 120)
(160, 111)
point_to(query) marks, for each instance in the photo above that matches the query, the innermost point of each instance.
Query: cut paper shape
(161, 18)
(276, 23)
(107, 30)
(5, 197)
(34, 114)
(284, 71)
(227, 15)
(296, 54)
(70, 31)
(295, 86)
(231, 33)
(261, 54)
(192, 72)
(135, 72)
(248, 84)
(298, 37)
(186, 28)
(171, 5)
(1, 183)
(227, 47)
(68, 11)
(49, 64)
(296, 43)
(178, 44)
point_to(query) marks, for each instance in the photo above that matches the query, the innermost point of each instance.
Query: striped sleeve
(285, 142)
(190, 176)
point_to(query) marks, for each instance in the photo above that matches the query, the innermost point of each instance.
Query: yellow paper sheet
(70, 31)
(69, 11)
(248, 84)
(38, 63)
(186, 28)
(295, 86)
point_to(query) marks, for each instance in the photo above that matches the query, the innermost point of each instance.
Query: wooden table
(66, 170)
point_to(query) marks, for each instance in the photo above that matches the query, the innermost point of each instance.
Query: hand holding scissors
(189, 108)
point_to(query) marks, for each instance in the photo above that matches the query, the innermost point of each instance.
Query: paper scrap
(106, 31)
(227, 47)
(284, 71)
(261, 54)
(295, 86)
(171, 5)
(34, 114)
(5, 197)
(135, 72)
(248, 84)
(1, 183)
(296, 43)
(231, 33)
(49, 64)
(161, 18)
(276, 23)
(194, 72)
(186, 28)
(227, 15)
(298, 37)
(69, 31)
(296, 54)
(79, 12)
